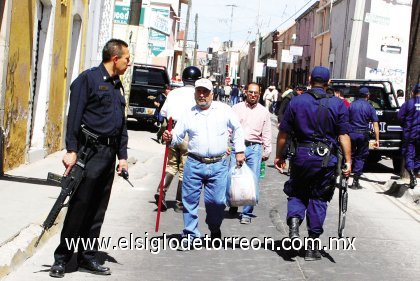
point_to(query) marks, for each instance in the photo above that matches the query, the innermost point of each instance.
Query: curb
(405, 198)
(21, 246)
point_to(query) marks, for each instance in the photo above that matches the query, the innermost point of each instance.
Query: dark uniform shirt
(360, 114)
(97, 101)
(301, 116)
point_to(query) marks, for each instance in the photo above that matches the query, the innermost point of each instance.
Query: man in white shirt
(206, 125)
(270, 97)
(178, 102)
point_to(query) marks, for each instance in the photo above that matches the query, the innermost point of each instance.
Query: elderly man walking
(206, 125)
(256, 123)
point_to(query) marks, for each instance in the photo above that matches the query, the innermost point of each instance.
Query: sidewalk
(24, 207)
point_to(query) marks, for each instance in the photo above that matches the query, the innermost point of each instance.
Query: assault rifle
(343, 196)
(342, 202)
(69, 183)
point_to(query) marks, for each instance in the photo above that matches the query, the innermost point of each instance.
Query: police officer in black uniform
(97, 103)
(318, 121)
(361, 112)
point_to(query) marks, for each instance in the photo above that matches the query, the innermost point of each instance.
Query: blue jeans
(214, 179)
(234, 100)
(253, 154)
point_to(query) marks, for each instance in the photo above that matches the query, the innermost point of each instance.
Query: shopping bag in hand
(242, 189)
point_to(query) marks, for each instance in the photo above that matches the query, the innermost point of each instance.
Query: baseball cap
(205, 83)
(320, 72)
(364, 91)
(416, 89)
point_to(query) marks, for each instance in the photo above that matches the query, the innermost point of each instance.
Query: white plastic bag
(242, 188)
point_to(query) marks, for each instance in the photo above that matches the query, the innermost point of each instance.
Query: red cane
(165, 160)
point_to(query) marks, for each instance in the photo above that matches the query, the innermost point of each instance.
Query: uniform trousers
(309, 188)
(412, 155)
(213, 177)
(87, 207)
(316, 211)
(359, 151)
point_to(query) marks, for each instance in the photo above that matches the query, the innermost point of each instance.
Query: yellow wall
(59, 86)
(19, 76)
(18, 83)
(58, 77)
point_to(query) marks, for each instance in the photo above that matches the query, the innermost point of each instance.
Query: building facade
(44, 48)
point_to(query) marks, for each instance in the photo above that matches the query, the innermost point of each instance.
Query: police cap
(320, 73)
(364, 91)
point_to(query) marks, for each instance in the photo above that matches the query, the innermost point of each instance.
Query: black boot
(58, 269)
(178, 206)
(166, 183)
(413, 180)
(355, 184)
(312, 253)
(294, 224)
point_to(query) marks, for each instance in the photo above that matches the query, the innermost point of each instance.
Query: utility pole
(184, 47)
(195, 40)
(257, 45)
(230, 34)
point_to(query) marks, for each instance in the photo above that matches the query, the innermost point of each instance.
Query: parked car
(384, 100)
(148, 82)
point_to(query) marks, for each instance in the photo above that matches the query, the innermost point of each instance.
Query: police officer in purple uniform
(320, 123)
(409, 116)
(361, 112)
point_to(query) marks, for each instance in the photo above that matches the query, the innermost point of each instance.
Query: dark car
(148, 82)
(383, 98)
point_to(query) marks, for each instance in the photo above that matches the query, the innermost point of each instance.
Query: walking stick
(165, 160)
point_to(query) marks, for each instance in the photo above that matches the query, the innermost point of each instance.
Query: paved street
(386, 243)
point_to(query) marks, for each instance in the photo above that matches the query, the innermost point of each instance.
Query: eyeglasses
(254, 92)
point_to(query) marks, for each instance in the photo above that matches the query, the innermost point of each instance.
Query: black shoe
(216, 238)
(164, 206)
(355, 184)
(312, 253)
(233, 210)
(185, 245)
(58, 269)
(93, 266)
(179, 208)
(294, 224)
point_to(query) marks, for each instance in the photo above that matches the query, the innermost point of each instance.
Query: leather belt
(207, 160)
(320, 148)
(306, 144)
(107, 140)
(94, 138)
(360, 131)
(248, 143)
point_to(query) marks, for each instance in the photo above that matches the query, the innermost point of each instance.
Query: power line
(309, 2)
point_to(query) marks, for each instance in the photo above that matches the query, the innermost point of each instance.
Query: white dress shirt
(208, 130)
